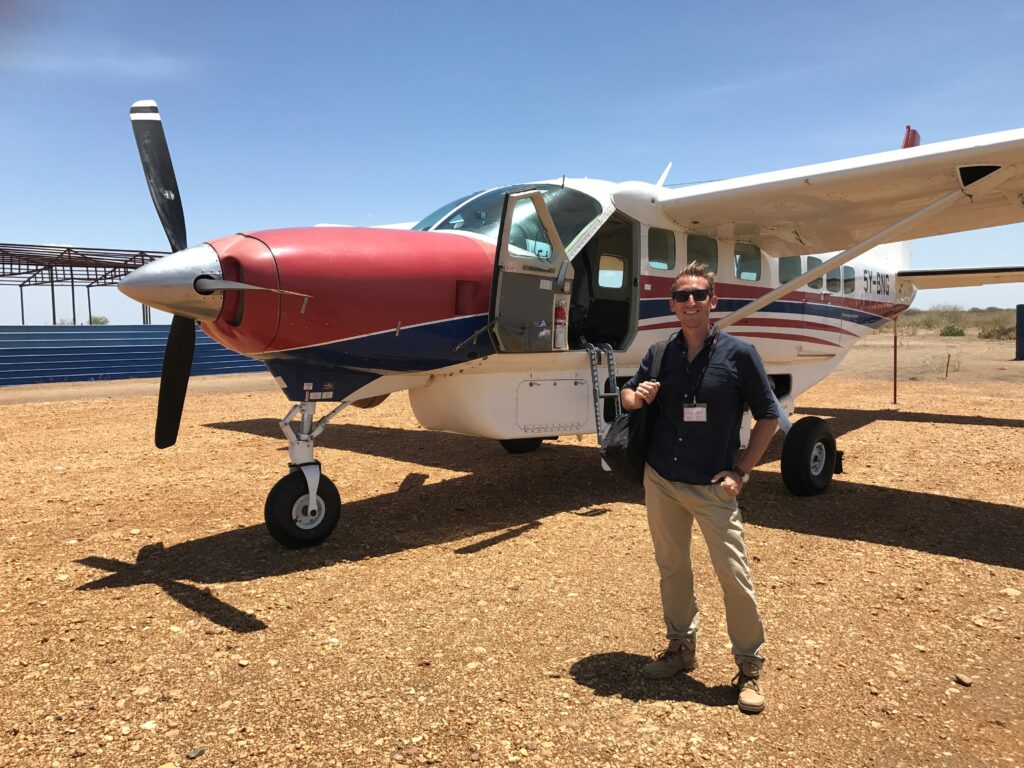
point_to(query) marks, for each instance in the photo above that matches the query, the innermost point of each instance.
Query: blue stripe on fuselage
(344, 366)
(651, 308)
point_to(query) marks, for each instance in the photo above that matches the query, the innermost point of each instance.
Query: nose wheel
(292, 520)
(304, 507)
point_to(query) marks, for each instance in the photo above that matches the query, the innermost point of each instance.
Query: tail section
(911, 138)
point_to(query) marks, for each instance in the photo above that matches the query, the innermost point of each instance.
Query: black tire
(522, 444)
(808, 457)
(286, 503)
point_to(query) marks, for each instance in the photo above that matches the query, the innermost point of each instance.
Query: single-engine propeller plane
(535, 301)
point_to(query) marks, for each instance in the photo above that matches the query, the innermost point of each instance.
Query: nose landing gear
(304, 506)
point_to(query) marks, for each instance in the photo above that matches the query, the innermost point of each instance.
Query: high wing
(830, 206)
(961, 278)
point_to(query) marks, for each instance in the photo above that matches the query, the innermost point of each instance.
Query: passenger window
(661, 248)
(789, 268)
(849, 280)
(612, 271)
(833, 281)
(813, 262)
(748, 262)
(703, 250)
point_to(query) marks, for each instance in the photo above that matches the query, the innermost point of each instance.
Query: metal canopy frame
(69, 266)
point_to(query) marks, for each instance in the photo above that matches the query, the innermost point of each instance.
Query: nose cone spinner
(169, 284)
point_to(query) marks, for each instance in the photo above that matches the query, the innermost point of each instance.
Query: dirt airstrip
(480, 609)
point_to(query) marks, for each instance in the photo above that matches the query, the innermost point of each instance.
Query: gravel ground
(480, 609)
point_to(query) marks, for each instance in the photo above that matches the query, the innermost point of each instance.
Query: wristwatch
(744, 476)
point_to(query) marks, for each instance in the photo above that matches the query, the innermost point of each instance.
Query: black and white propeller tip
(159, 171)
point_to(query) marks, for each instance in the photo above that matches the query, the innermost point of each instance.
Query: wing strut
(887, 235)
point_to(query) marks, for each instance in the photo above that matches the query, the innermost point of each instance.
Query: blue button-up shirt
(695, 451)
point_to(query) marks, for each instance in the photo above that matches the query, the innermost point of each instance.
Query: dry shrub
(998, 332)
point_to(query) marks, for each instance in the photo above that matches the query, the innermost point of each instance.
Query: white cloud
(110, 63)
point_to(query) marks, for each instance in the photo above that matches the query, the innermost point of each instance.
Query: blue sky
(368, 113)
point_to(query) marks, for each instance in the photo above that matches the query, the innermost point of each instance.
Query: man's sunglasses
(681, 297)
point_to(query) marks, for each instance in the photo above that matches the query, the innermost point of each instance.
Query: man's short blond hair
(696, 269)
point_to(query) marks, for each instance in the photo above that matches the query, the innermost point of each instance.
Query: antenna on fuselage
(664, 176)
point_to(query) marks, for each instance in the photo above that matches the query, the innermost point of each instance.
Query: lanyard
(692, 393)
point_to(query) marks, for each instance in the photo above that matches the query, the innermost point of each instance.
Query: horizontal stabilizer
(961, 278)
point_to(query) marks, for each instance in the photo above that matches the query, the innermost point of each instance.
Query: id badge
(695, 412)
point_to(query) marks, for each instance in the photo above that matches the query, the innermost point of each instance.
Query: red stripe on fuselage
(766, 322)
(806, 325)
(785, 337)
(662, 286)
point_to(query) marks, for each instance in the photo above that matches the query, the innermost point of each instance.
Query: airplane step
(593, 354)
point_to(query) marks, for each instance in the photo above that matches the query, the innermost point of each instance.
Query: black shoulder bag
(624, 445)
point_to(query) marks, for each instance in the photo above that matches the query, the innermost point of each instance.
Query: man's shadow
(618, 674)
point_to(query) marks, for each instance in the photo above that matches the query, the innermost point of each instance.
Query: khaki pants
(671, 510)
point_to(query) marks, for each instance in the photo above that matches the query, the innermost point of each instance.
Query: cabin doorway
(604, 301)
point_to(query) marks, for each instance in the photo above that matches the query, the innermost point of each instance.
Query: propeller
(181, 344)
(181, 340)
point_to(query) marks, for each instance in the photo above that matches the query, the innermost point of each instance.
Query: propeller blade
(181, 343)
(156, 164)
(210, 284)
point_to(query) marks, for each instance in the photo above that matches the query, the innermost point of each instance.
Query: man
(706, 379)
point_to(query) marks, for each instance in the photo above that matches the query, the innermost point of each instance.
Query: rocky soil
(480, 609)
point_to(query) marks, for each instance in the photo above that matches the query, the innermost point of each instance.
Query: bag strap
(659, 355)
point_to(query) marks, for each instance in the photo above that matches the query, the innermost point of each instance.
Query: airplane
(515, 313)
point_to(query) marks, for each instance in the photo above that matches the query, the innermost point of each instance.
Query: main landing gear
(524, 444)
(521, 444)
(809, 457)
(290, 516)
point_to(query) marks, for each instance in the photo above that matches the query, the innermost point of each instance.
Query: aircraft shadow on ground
(559, 477)
(412, 516)
(846, 420)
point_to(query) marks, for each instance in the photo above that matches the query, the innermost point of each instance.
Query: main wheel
(286, 512)
(522, 444)
(808, 457)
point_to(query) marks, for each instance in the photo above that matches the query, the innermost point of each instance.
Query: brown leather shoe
(748, 685)
(678, 657)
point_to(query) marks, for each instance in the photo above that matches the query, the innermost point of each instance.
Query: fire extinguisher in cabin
(561, 335)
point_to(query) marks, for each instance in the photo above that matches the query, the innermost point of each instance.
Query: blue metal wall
(32, 354)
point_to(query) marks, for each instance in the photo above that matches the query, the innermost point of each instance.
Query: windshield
(436, 216)
(570, 209)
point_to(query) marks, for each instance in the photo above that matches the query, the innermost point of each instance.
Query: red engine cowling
(359, 282)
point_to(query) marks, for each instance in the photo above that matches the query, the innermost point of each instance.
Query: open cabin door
(532, 279)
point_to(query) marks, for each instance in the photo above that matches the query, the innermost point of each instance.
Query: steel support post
(1020, 332)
